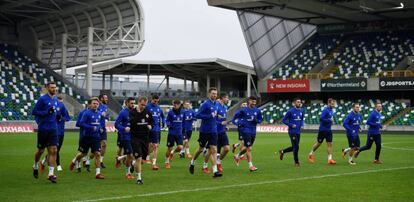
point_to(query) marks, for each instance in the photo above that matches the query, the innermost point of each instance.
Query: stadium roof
(324, 11)
(59, 30)
(191, 69)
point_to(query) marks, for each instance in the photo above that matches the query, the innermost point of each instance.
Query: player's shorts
(353, 141)
(155, 137)
(187, 134)
(171, 139)
(248, 139)
(127, 146)
(61, 138)
(118, 140)
(324, 135)
(140, 146)
(207, 138)
(222, 139)
(87, 142)
(47, 138)
(240, 135)
(103, 134)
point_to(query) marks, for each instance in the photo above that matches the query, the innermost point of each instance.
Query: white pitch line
(244, 185)
(396, 148)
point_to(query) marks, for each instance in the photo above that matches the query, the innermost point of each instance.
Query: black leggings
(294, 139)
(370, 140)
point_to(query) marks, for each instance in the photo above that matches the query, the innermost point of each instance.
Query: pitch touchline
(244, 185)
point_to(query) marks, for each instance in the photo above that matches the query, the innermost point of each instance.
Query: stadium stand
(359, 55)
(311, 54)
(21, 82)
(371, 54)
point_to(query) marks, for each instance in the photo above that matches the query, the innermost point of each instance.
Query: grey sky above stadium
(190, 29)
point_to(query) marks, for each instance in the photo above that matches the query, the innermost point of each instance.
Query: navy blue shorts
(87, 142)
(353, 141)
(127, 146)
(240, 135)
(47, 138)
(222, 139)
(178, 139)
(324, 135)
(248, 139)
(155, 137)
(103, 134)
(187, 134)
(207, 138)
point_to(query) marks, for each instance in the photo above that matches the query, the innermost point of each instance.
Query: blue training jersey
(221, 116)
(174, 122)
(374, 123)
(189, 118)
(294, 116)
(208, 119)
(121, 122)
(325, 119)
(103, 110)
(62, 115)
(352, 124)
(157, 116)
(90, 121)
(44, 119)
(78, 121)
(249, 118)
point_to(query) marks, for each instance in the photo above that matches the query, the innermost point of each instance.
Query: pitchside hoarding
(357, 84)
(282, 86)
(272, 129)
(404, 83)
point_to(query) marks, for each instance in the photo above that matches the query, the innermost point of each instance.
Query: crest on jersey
(146, 116)
(142, 120)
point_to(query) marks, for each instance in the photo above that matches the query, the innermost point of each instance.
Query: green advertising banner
(356, 84)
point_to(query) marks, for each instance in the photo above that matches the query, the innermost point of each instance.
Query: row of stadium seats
(17, 94)
(304, 60)
(274, 112)
(362, 55)
(370, 54)
(38, 73)
(406, 119)
(21, 87)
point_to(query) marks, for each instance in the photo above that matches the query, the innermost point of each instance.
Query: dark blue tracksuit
(45, 113)
(374, 134)
(294, 117)
(159, 122)
(175, 123)
(90, 122)
(121, 122)
(208, 127)
(325, 124)
(352, 124)
(249, 117)
(222, 138)
(62, 115)
(189, 118)
(237, 120)
(103, 108)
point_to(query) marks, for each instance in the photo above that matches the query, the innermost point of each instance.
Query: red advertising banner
(281, 86)
(16, 128)
(272, 129)
(110, 128)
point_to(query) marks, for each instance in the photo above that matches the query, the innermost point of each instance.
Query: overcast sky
(190, 29)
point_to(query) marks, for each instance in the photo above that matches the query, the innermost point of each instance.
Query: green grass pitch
(274, 181)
